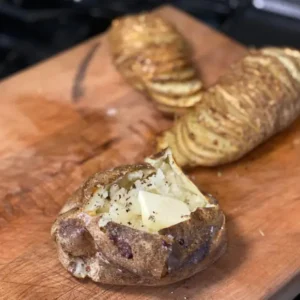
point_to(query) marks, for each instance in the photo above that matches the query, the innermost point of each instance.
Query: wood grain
(74, 115)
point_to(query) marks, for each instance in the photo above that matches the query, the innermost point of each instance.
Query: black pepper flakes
(129, 223)
(127, 210)
(151, 218)
(181, 242)
(183, 216)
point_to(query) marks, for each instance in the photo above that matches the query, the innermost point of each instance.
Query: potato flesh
(97, 200)
(168, 183)
(160, 212)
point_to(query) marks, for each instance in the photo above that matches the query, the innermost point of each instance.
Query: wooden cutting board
(74, 115)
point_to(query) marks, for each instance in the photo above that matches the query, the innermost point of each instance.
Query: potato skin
(258, 97)
(155, 59)
(121, 255)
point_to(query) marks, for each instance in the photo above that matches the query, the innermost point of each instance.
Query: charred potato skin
(118, 254)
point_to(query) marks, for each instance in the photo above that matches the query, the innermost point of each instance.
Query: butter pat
(160, 211)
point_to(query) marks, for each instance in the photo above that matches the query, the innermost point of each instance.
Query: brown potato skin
(256, 98)
(149, 51)
(120, 255)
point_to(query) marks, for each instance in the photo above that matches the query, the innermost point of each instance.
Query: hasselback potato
(153, 56)
(258, 97)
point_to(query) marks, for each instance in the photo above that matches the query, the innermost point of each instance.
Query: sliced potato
(258, 97)
(177, 88)
(153, 57)
(186, 101)
(183, 74)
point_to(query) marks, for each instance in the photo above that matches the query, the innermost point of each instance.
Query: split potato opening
(149, 199)
(141, 224)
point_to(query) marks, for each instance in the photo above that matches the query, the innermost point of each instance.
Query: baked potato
(143, 224)
(258, 97)
(153, 56)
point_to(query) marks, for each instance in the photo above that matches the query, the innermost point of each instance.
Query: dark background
(31, 31)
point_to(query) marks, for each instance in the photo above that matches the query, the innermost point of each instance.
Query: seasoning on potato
(144, 224)
(153, 56)
(257, 98)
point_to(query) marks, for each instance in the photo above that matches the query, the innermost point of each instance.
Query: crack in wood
(78, 88)
(132, 129)
(150, 127)
(98, 150)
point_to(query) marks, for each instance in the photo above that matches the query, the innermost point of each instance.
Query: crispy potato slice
(182, 74)
(180, 102)
(175, 88)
